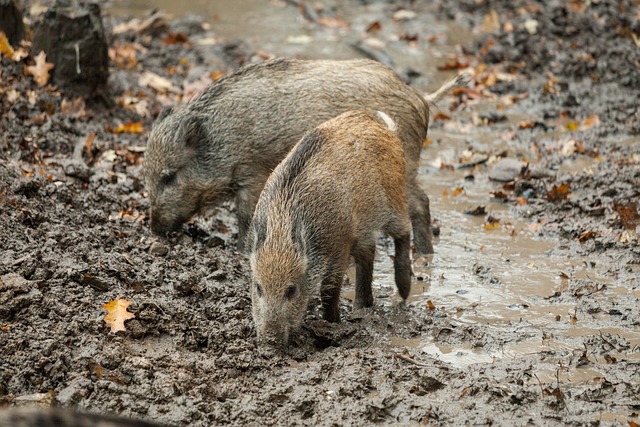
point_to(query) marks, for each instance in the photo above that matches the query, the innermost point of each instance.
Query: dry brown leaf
(628, 214)
(334, 22)
(587, 235)
(5, 46)
(156, 82)
(117, 314)
(590, 121)
(374, 27)
(491, 22)
(40, 71)
(175, 38)
(430, 305)
(73, 108)
(124, 55)
(559, 192)
(454, 64)
(88, 144)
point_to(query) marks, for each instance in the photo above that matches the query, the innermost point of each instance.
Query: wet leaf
(628, 213)
(430, 305)
(88, 145)
(5, 46)
(40, 71)
(73, 108)
(440, 116)
(500, 195)
(175, 38)
(492, 223)
(549, 87)
(589, 122)
(587, 235)
(156, 82)
(333, 22)
(491, 22)
(130, 127)
(559, 192)
(477, 211)
(117, 314)
(458, 191)
(374, 27)
(454, 64)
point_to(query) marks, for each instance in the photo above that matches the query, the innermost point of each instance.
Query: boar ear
(194, 132)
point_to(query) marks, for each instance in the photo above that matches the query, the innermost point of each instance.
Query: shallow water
(498, 277)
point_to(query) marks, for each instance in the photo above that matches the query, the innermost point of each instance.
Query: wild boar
(338, 189)
(225, 143)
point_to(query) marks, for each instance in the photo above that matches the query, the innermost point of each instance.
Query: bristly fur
(340, 187)
(227, 141)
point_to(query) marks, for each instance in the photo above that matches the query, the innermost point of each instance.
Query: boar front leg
(330, 295)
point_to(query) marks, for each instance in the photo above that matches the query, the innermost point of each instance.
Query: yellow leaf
(40, 71)
(5, 46)
(117, 314)
(130, 127)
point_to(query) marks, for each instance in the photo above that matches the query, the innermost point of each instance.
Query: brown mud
(532, 318)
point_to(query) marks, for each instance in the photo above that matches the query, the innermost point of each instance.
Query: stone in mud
(11, 20)
(506, 170)
(73, 38)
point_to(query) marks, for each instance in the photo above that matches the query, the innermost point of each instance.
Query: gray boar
(338, 189)
(227, 141)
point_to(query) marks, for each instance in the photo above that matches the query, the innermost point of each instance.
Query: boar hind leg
(420, 220)
(402, 265)
(330, 295)
(364, 258)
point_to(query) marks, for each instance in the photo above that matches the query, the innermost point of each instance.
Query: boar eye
(168, 178)
(291, 292)
(259, 289)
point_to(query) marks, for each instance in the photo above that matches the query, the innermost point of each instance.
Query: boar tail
(461, 79)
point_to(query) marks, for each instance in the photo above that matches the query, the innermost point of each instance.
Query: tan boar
(338, 189)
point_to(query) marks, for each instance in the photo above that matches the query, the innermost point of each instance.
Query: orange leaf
(5, 46)
(130, 127)
(458, 191)
(175, 38)
(40, 71)
(590, 121)
(117, 314)
(586, 236)
(521, 201)
(215, 75)
(430, 305)
(454, 64)
(559, 192)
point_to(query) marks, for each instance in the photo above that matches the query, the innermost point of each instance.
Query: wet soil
(533, 321)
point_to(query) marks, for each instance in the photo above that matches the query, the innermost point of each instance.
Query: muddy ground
(74, 235)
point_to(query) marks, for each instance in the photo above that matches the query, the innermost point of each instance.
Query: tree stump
(73, 38)
(11, 20)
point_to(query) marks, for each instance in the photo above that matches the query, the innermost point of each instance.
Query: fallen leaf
(334, 22)
(492, 223)
(440, 116)
(430, 305)
(521, 201)
(124, 55)
(6, 327)
(477, 211)
(374, 27)
(12, 96)
(73, 108)
(175, 38)
(628, 213)
(491, 22)
(454, 64)
(458, 191)
(5, 46)
(117, 314)
(589, 122)
(156, 82)
(549, 87)
(88, 144)
(559, 192)
(130, 127)
(40, 71)
(587, 235)
(216, 75)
